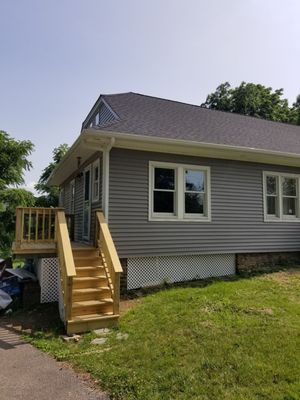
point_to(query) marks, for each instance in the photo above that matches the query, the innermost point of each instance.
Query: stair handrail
(110, 258)
(66, 263)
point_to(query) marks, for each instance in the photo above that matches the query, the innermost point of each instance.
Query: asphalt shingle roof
(156, 117)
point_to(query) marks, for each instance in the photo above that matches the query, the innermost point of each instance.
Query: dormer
(101, 114)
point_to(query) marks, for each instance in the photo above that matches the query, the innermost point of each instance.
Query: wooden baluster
(36, 225)
(29, 225)
(49, 224)
(43, 225)
(55, 229)
(22, 216)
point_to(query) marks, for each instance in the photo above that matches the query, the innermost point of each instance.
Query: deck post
(19, 226)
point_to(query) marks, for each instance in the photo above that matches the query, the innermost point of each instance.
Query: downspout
(105, 196)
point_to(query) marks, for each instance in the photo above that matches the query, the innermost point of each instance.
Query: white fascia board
(98, 140)
(210, 150)
(52, 181)
(84, 147)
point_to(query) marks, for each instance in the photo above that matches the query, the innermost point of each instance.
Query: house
(184, 192)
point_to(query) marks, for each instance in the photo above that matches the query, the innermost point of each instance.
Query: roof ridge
(115, 94)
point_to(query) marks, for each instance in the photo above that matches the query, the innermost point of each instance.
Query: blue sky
(58, 56)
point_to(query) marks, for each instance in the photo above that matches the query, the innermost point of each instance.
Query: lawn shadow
(41, 318)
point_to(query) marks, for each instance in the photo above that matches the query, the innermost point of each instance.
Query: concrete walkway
(28, 374)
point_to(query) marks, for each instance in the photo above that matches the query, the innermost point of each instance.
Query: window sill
(291, 219)
(165, 219)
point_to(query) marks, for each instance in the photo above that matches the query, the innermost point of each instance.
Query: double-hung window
(281, 196)
(164, 191)
(194, 192)
(179, 192)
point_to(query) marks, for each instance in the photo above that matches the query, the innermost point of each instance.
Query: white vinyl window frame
(179, 193)
(95, 182)
(280, 217)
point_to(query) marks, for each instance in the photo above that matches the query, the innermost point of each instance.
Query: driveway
(28, 374)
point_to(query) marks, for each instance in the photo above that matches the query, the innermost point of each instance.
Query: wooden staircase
(89, 276)
(90, 279)
(92, 293)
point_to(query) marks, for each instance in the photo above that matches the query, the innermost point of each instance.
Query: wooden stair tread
(89, 268)
(89, 317)
(89, 278)
(90, 303)
(86, 257)
(91, 290)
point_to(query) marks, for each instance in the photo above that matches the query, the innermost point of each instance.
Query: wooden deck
(43, 248)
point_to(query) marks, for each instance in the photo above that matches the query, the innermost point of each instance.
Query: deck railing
(66, 262)
(110, 259)
(48, 227)
(35, 224)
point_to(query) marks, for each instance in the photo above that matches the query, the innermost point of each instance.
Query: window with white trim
(179, 192)
(281, 196)
(95, 181)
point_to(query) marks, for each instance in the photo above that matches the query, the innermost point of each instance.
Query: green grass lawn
(236, 339)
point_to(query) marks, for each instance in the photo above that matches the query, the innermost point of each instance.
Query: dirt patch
(267, 311)
(44, 317)
(126, 305)
(288, 277)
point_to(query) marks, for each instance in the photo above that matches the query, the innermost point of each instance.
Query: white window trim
(280, 217)
(179, 216)
(72, 205)
(94, 165)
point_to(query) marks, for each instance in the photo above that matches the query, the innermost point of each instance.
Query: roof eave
(96, 139)
(212, 150)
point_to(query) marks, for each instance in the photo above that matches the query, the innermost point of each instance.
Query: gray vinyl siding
(79, 197)
(105, 116)
(78, 208)
(67, 199)
(237, 224)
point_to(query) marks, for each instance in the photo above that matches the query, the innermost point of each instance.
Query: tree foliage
(13, 162)
(11, 198)
(49, 195)
(254, 100)
(13, 159)
(296, 107)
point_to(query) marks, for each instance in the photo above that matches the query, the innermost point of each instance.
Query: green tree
(13, 159)
(13, 162)
(296, 109)
(50, 195)
(254, 100)
(10, 199)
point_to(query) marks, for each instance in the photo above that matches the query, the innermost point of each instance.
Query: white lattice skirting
(48, 276)
(151, 271)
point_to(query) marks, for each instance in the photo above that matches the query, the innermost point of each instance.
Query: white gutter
(188, 143)
(102, 139)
